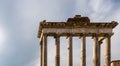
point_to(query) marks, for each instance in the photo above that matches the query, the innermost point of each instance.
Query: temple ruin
(79, 27)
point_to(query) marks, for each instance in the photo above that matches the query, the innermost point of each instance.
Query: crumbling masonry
(79, 27)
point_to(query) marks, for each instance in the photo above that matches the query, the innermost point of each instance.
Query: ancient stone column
(95, 50)
(41, 53)
(57, 56)
(107, 57)
(83, 51)
(44, 50)
(70, 63)
(99, 53)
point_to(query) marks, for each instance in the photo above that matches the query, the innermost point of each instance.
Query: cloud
(35, 62)
(82, 7)
(21, 19)
(115, 38)
(97, 11)
(2, 40)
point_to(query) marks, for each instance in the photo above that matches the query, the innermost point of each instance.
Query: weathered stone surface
(76, 30)
(115, 63)
(78, 19)
(83, 51)
(80, 27)
(70, 54)
(107, 57)
(57, 46)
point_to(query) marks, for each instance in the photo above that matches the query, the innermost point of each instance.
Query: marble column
(70, 63)
(44, 50)
(57, 56)
(95, 51)
(107, 57)
(83, 51)
(41, 53)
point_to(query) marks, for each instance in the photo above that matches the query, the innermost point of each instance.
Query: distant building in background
(115, 63)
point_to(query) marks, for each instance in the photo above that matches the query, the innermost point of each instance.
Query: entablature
(76, 27)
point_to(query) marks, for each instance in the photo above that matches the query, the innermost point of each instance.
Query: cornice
(71, 23)
(78, 25)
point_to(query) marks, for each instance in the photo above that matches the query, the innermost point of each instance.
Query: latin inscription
(76, 30)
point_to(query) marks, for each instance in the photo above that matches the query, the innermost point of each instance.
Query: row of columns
(96, 51)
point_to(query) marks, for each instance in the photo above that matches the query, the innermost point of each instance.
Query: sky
(19, 22)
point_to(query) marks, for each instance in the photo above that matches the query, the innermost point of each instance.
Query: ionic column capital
(108, 35)
(69, 35)
(45, 34)
(100, 40)
(94, 36)
(56, 36)
(82, 35)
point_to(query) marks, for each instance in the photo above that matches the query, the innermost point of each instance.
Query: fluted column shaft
(83, 51)
(44, 50)
(95, 50)
(107, 60)
(57, 57)
(70, 63)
